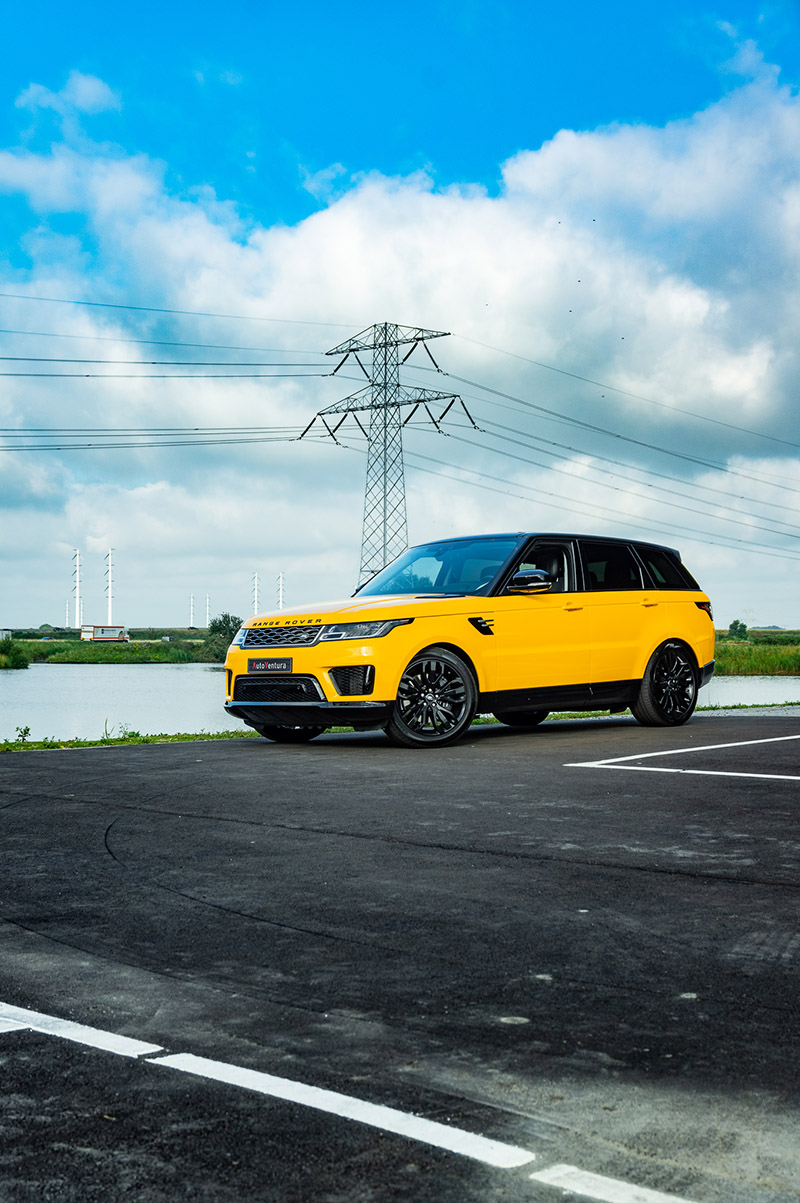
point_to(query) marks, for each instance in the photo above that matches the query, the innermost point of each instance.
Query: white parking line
(619, 762)
(51, 1025)
(595, 1186)
(386, 1119)
(491, 1152)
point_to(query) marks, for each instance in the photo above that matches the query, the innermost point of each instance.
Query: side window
(610, 566)
(553, 558)
(666, 570)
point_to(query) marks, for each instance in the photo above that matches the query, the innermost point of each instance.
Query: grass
(755, 659)
(127, 738)
(64, 651)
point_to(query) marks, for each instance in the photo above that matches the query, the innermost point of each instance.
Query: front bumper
(311, 714)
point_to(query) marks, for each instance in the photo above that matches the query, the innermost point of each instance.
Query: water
(84, 701)
(750, 691)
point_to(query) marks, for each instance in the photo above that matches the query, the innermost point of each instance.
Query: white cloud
(81, 94)
(663, 262)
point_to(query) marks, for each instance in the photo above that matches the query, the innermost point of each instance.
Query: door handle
(647, 602)
(568, 607)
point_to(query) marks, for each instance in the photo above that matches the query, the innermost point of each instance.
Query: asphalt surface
(594, 964)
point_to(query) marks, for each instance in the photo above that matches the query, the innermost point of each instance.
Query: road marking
(595, 1186)
(491, 1152)
(388, 1119)
(619, 762)
(51, 1025)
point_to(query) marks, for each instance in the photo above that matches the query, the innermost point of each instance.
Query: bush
(12, 655)
(737, 630)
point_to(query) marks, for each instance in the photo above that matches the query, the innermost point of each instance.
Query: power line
(681, 455)
(237, 317)
(627, 490)
(567, 504)
(635, 396)
(156, 342)
(166, 375)
(192, 363)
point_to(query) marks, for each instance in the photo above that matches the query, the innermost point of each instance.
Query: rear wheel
(290, 735)
(668, 693)
(436, 700)
(521, 718)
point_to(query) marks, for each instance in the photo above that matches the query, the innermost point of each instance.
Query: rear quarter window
(666, 570)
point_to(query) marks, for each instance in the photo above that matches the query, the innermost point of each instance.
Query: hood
(361, 609)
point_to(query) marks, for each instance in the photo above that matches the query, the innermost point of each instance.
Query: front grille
(280, 636)
(353, 681)
(277, 689)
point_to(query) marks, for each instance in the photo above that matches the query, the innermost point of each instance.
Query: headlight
(238, 639)
(361, 630)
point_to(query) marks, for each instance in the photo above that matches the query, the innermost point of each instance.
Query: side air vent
(353, 682)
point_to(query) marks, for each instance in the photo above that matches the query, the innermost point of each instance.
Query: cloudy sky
(600, 204)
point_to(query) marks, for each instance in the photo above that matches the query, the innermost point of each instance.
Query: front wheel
(290, 735)
(668, 693)
(436, 701)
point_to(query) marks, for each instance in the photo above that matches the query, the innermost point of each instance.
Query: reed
(757, 660)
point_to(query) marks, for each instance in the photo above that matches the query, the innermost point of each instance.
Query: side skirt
(606, 695)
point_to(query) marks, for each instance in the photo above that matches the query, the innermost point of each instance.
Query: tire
(290, 735)
(521, 718)
(436, 701)
(668, 693)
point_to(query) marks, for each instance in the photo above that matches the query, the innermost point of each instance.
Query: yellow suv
(515, 625)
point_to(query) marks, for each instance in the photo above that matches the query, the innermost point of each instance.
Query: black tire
(521, 718)
(436, 701)
(668, 693)
(290, 735)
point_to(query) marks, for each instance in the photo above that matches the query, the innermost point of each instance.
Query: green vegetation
(125, 738)
(743, 653)
(62, 651)
(221, 631)
(13, 654)
(752, 660)
(147, 646)
(128, 738)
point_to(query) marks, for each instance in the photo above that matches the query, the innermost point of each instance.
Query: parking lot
(532, 966)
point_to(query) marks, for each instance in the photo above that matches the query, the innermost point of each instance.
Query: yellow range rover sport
(513, 625)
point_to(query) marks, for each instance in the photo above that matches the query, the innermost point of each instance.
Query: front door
(542, 642)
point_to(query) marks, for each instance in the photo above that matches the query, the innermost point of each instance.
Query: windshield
(457, 566)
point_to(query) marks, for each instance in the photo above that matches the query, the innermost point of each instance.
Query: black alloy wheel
(668, 693)
(521, 718)
(436, 700)
(290, 735)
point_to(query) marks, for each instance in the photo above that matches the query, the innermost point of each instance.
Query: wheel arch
(663, 643)
(457, 651)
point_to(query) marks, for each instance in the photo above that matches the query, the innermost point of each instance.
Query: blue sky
(601, 203)
(248, 98)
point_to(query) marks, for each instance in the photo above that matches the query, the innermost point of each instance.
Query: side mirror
(533, 580)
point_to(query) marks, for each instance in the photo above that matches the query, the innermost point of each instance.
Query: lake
(84, 701)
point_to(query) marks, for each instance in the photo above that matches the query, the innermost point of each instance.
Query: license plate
(272, 665)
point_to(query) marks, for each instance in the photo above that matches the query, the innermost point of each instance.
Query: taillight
(707, 607)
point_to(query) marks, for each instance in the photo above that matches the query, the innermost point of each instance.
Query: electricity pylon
(384, 531)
